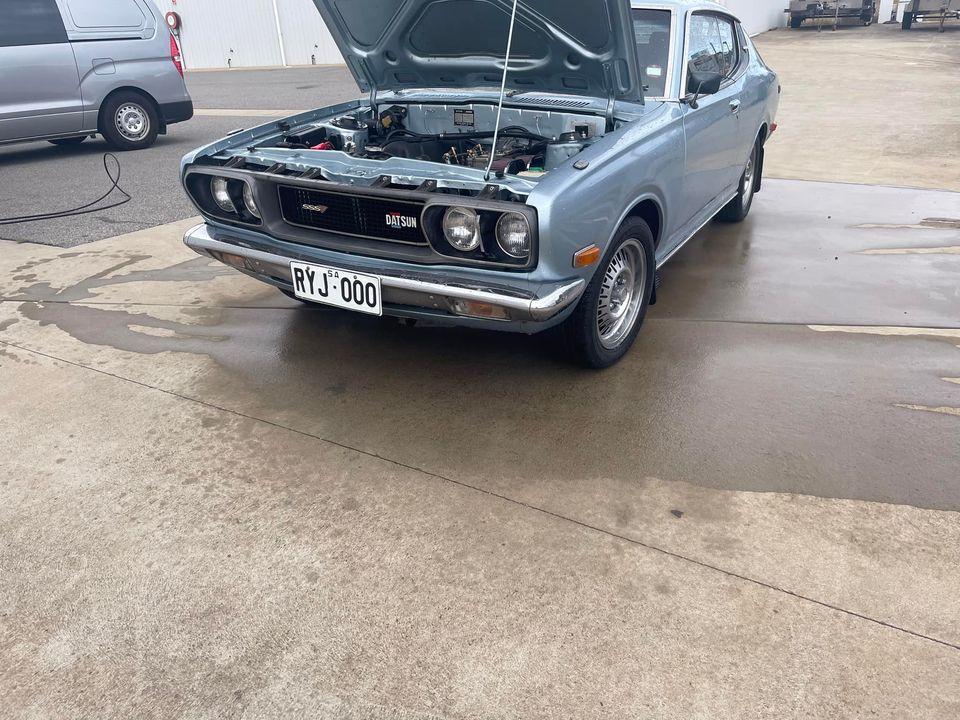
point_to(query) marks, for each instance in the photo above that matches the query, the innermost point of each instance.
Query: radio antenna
(503, 89)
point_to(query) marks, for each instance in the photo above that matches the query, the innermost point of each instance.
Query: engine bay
(530, 143)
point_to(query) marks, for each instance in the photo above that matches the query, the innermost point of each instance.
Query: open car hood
(570, 47)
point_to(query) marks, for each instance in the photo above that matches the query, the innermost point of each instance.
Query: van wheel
(738, 208)
(129, 121)
(907, 21)
(796, 22)
(608, 318)
(66, 142)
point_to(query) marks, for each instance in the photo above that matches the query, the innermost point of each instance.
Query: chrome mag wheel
(621, 294)
(132, 121)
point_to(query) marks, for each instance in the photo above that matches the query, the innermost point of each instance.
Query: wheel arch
(137, 91)
(649, 211)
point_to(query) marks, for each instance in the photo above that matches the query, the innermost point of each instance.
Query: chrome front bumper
(424, 289)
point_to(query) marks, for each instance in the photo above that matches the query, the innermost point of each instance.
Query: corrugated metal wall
(244, 33)
(305, 37)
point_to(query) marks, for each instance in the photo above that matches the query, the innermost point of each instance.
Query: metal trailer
(860, 10)
(942, 10)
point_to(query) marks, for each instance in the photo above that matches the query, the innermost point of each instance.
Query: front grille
(363, 216)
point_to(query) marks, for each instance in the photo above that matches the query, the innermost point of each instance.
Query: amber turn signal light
(586, 257)
(486, 311)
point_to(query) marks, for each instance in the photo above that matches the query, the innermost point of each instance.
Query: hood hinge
(611, 110)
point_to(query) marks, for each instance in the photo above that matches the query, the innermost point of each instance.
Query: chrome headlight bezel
(250, 202)
(226, 196)
(463, 218)
(220, 192)
(503, 231)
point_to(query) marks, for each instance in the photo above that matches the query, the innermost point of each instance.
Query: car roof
(685, 5)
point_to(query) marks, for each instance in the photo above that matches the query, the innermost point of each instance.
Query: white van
(70, 69)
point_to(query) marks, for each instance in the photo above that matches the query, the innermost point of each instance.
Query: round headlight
(221, 195)
(461, 227)
(250, 202)
(513, 235)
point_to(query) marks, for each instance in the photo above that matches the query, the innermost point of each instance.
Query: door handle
(735, 107)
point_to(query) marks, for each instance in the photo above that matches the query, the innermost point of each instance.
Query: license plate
(339, 288)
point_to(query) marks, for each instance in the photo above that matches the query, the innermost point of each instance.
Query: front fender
(643, 160)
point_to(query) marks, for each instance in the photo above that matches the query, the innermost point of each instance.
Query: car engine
(526, 150)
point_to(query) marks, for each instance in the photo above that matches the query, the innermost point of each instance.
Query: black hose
(83, 209)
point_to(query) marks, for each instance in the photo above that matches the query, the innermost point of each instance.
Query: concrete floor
(219, 504)
(868, 105)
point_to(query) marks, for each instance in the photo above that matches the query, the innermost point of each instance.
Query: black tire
(136, 114)
(907, 21)
(796, 22)
(68, 142)
(581, 331)
(737, 209)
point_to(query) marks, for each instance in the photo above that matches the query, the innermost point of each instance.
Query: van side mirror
(702, 83)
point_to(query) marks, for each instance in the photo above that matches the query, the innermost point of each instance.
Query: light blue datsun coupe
(517, 165)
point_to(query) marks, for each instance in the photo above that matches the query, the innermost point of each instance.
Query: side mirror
(702, 83)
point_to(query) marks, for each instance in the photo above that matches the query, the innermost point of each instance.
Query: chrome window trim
(710, 10)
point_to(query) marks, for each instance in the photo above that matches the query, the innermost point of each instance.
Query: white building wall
(759, 15)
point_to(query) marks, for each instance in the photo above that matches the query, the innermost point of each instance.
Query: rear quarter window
(31, 22)
(105, 14)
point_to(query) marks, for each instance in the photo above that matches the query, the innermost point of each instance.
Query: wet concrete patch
(122, 330)
(802, 258)
(806, 414)
(196, 270)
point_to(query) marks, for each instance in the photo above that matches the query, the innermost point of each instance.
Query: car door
(712, 129)
(39, 81)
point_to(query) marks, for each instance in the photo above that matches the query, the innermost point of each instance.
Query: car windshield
(652, 31)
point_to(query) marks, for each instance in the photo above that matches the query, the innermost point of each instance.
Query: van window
(105, 13)
(31, 22)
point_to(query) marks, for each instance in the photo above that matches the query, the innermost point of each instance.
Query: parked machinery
(941, 10)
(836, 10)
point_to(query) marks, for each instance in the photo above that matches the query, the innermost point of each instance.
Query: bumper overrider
(407, 292)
